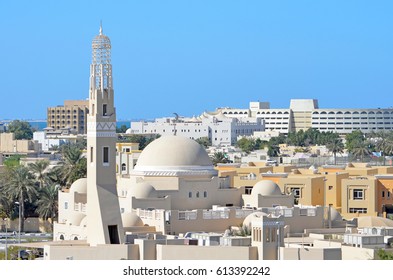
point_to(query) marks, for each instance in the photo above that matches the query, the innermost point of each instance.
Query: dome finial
(100, 27)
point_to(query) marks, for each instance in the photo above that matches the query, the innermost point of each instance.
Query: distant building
(220, 129)
(10, 146)
(305, 113)
(73, 114)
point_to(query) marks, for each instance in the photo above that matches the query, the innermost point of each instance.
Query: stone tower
(104, 224)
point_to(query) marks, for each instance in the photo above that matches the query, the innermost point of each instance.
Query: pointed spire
(100, 27)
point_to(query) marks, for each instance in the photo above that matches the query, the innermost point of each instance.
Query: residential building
(73, 114)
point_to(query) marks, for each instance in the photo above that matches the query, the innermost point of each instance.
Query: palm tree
(73, 165)
(360, 149)
(335, 146)
(39, 169)
(20, 186)
(219, 157)
(47, 204)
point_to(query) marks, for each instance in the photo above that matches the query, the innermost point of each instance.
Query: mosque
(172, 191)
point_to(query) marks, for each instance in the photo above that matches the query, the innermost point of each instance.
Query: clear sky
(190, 56)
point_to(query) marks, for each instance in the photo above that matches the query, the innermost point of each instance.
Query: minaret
(104, 225)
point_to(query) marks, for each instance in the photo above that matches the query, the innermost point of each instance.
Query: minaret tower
(104, 225)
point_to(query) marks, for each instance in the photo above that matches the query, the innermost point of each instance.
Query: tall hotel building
(305, 113)
(72, 114)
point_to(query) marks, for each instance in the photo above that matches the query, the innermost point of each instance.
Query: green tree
(137, 138)
(12, 161)
(273, 151)
(122, 129)
(335, 146)
(47, 204)
(246, 145)
(204, 141)
(20, 187)
(353, 138)
(40, 170)
(360, 149)
(73, 165)
(21, 129)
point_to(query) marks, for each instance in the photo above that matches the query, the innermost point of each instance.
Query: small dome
(79, 186)
(84, 222)
(143, 190)
(131, 219)
(256, 215)
(75, 218)
(266, 188)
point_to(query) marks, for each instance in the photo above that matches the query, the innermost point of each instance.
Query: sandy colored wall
(309, 253)
(112, 252)
(354, 253)
(206, 253)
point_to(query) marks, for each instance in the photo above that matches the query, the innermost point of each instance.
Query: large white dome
(172, 155)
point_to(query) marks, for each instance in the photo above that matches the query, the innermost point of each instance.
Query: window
(330, 188)
(205, 194)
(357, 210)
(123, 167)
(358, 194)
(190, 195)
(66, 205)
(197, 194)
(296, 192)
(91, 154)
(104, 109)
(105, 156)
(383, 193)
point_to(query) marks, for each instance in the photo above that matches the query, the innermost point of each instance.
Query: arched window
(123, 167)
(197, 194)
(190, 195)
(61, 237)
(205, 194)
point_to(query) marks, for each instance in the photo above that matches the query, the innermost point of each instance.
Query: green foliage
(47, 204)
(335, 146)
(122, 129)
(204, 141)
(137, 138)
(13, 161)
(383, 255)
(21, 129)
(39, 169)
(20, 186)
(353, 139)
(246, 145)
(72, 167)
(219, 157)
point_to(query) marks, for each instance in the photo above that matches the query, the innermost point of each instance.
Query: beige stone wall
(9, 145)
(310, 253)
(355, 253)
(333, 189)
(173, 252)
(100, 252)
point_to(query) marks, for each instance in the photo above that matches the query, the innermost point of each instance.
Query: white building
(305, 114)
(221, 130)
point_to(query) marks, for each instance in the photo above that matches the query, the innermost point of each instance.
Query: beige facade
(8, 145)
(307, 189)
(333, 186)
(72, 114)
(359, 197)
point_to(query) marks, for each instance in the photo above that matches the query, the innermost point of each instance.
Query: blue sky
(190, 56)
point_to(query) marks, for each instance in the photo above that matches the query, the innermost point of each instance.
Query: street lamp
(20, 225)
(6, 239)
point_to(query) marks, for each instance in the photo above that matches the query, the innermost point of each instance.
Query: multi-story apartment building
(72, 114)
(305, 113)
